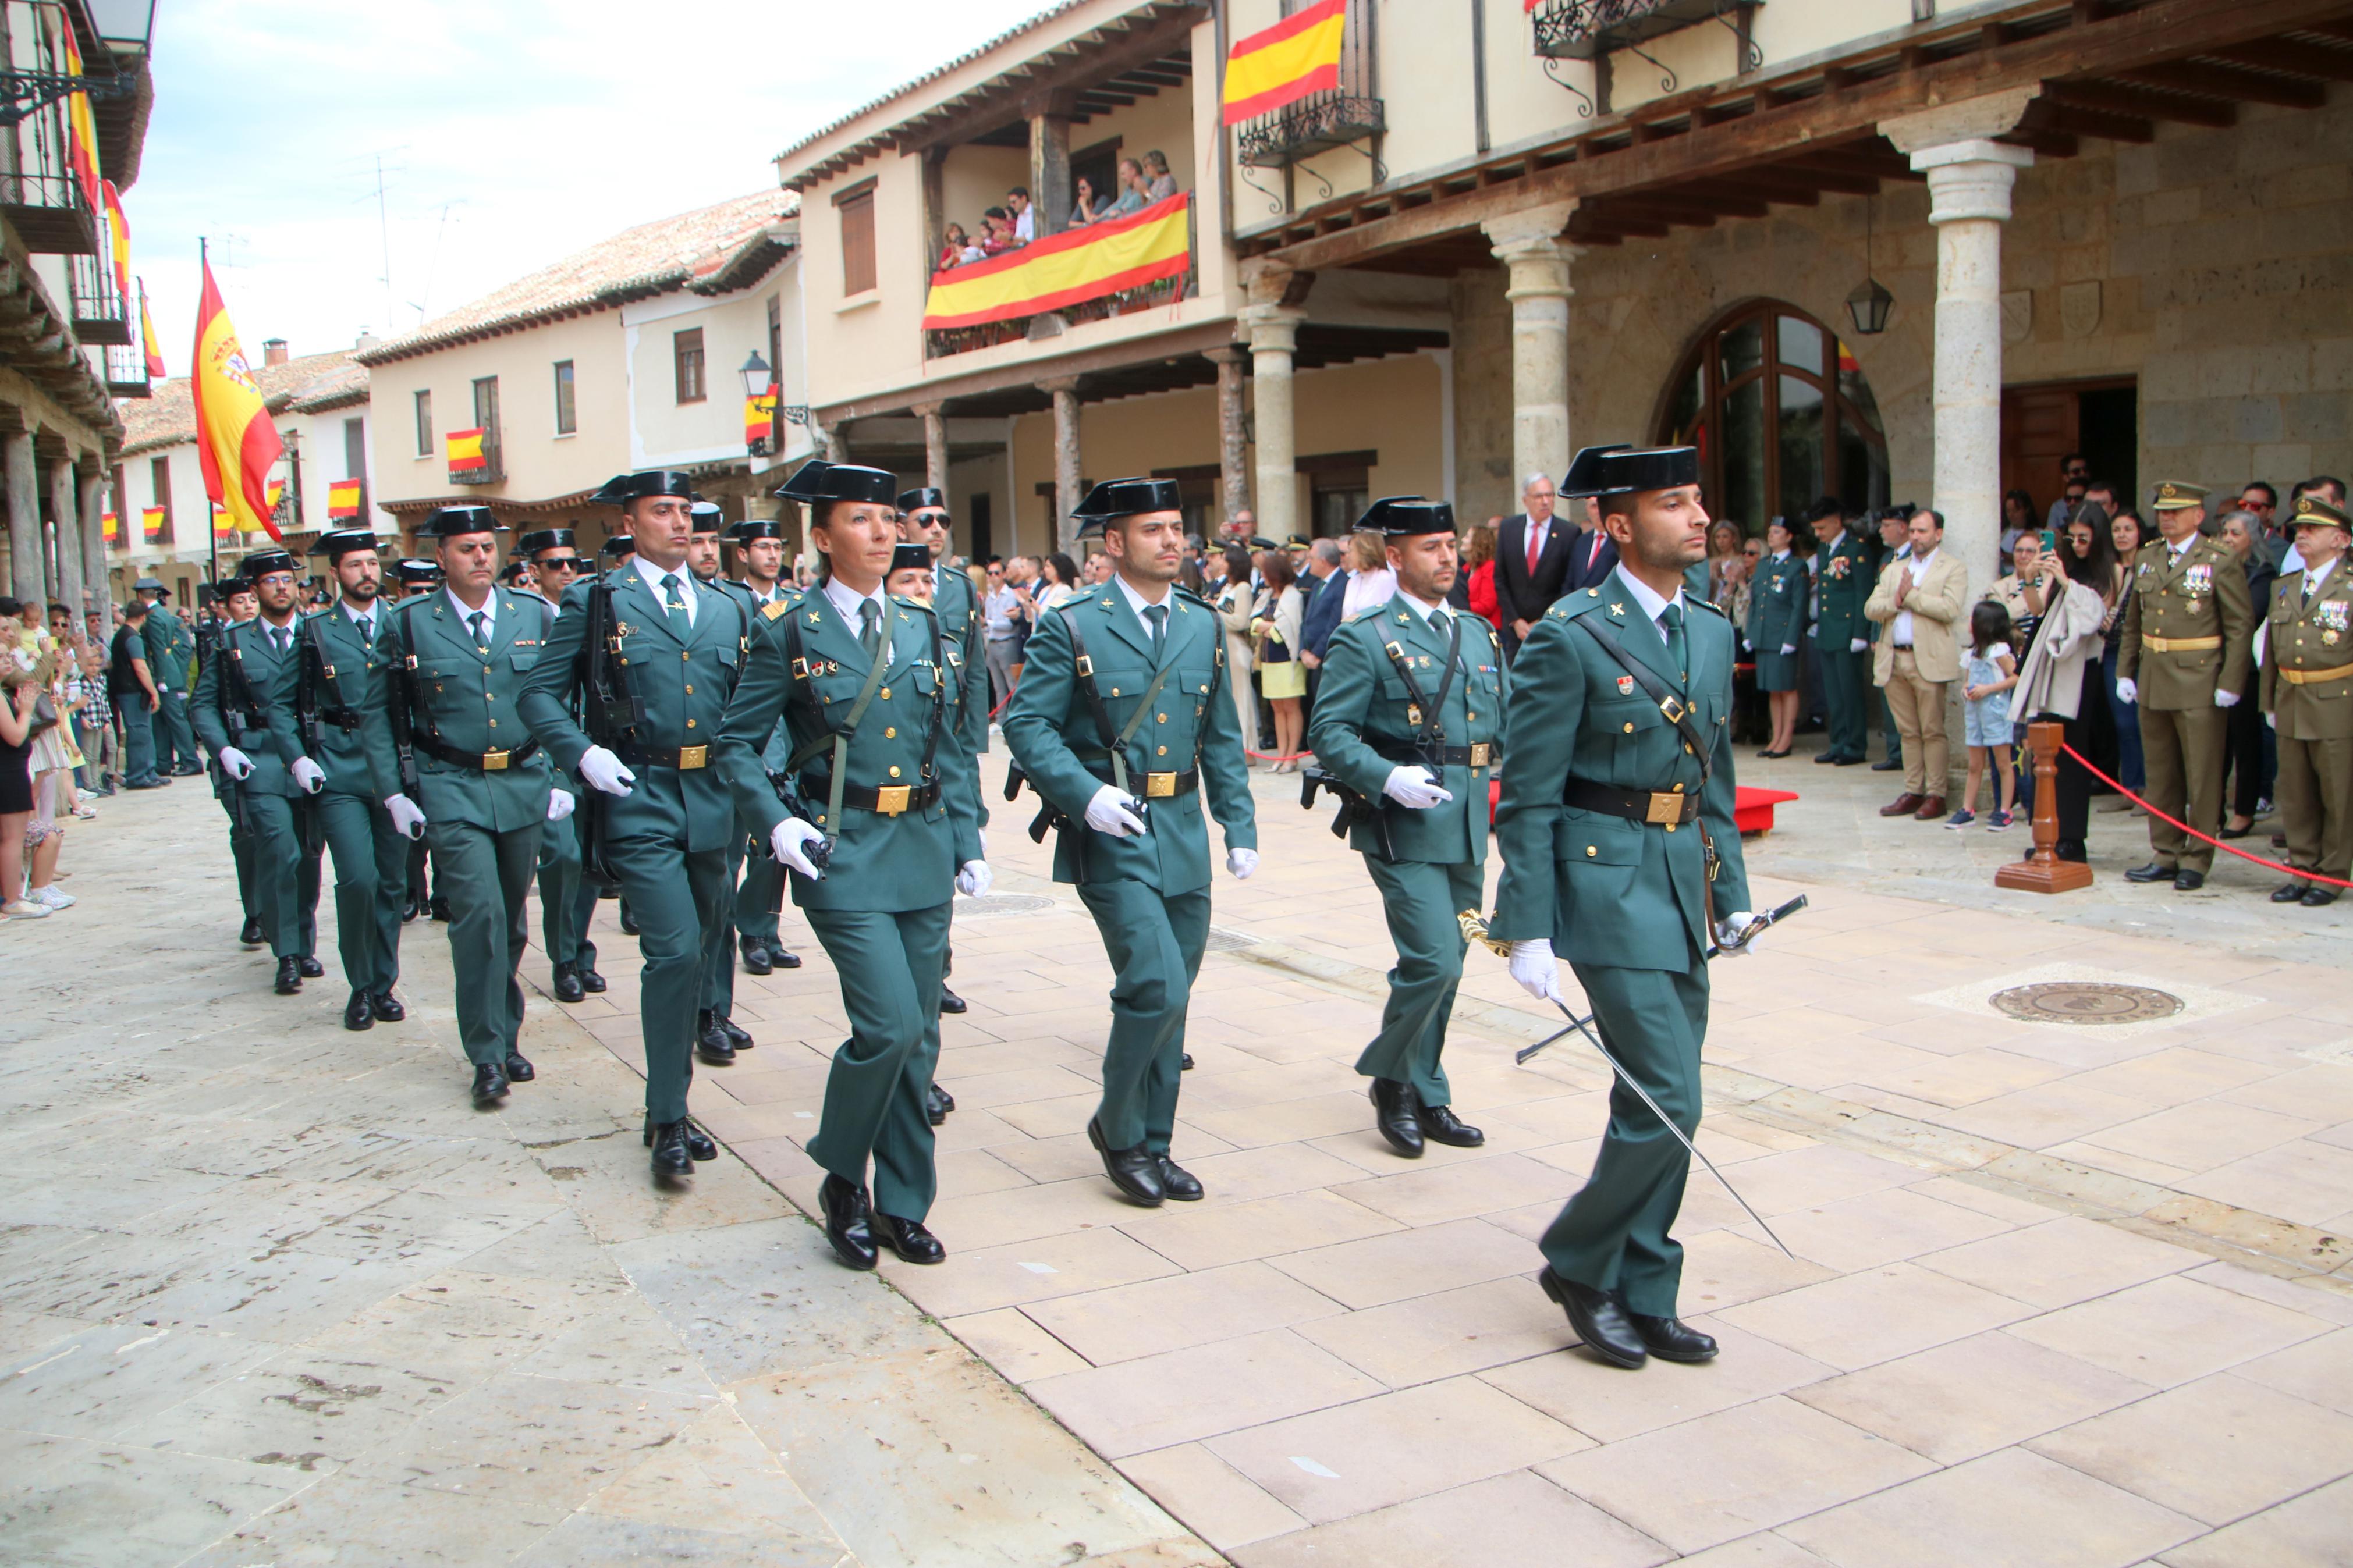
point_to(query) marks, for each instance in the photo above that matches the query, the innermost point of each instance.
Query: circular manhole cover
(1003, 904)
(2086, 1002)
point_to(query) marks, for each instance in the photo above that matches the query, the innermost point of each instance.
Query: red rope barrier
(2300, 876)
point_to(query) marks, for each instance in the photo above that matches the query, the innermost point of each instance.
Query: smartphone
(2051, 540)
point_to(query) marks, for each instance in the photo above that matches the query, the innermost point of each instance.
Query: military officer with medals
(1620, 855)
(170, 647)
(2307, 697)
(877, 815)
(925, 519)
(2187, 640)
(717, 1037)
(759, 900)
(1410, 717)
(1121, 718)
(648, 695)
(1843, 582)
(344, 680)
(246, 714)
(233, 603)
(550, 557)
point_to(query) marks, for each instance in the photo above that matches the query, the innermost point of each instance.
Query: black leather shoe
(1598, 1320)
(290, 977)
(2152, 872)
(907, 1238)
(737, 1035)
(1179, 1184)
(1671, 1339)
(358, 1014)
(1394, 1117)
(386, 1006)
(937, 1104)
(2188, 881)
(699, 1146)
(568, 984)
(438, 908)
(1439, 1124)
(489, 1082)
(1855, 762)
(2072, 849)
(310, 967)
(1135, 1171)
(2319, 898)
(950, 1002)
(519, 1068)
(782, 958)
(2290, 892)
(410, 910)
(628, 921)
(250, 934)
(710, 1042)
(1888, 765)
(591, 982)
(846, 1223)
(755, 956)
(1831, 758)
(1185, 1061)
(671, 1156)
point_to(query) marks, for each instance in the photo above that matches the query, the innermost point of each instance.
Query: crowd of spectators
(59, 747)
(1139, 183)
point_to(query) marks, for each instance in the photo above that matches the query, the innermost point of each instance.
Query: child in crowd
(1986, 675)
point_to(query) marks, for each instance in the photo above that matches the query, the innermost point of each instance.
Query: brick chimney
(273, 350)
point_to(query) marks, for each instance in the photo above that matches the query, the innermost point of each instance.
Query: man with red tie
(1531, 562)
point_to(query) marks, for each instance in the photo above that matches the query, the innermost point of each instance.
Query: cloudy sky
(511, 134)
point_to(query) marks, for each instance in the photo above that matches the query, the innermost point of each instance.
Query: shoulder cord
(839, 739)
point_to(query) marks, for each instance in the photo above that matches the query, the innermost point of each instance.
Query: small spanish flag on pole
(237, 444)
(147, 336)
(1297, 55)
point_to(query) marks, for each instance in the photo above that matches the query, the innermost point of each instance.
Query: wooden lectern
(2042, 872)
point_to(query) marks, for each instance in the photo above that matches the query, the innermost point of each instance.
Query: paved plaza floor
(2062, 1293)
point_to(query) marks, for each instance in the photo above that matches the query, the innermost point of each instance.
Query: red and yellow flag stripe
(1297, 55)
(1062, 269)
(111, 526)
(343, 499)
(236, 442)
(465, 450)
(151, 521)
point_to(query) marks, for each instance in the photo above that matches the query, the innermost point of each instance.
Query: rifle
(404, 734)
(1354, 808)
(606, 712)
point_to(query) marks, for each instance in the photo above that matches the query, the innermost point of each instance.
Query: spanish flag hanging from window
(111, 527)
(147, 336)
(82, 130)
(118, 237)
(236, 441)
(1297, 55)
(759, 421)
(150, 524)
(468, 463)
(1076, 265)
(343, 499)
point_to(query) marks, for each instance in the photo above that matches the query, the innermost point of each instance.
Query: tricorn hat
(2312, 510)
(753, 528)
(921, 495)
(620, 547)
(623, 488)
(150, 585)
(342, 541)
(456, 521)
(416, 572)
(540, 539)
(817, 481)
(1398, 516)
(262, 562)
(704, 515)
(910, 558)
(1583, 478)
(1124, 498)
(1630, 469)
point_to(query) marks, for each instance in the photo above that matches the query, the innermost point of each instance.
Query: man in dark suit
(1531, 562)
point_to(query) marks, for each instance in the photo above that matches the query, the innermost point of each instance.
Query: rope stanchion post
(2042, 872)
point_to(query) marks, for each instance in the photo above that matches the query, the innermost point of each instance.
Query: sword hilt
(1474, 928)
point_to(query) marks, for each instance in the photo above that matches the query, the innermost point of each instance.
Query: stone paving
(2062, 1294)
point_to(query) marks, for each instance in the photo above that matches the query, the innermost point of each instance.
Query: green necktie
(482, 633)
(1157, 617)
(869, 626)
(673, 602)
(1670, 626)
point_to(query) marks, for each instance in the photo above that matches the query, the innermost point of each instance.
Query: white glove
(975, 878)
(308, 774)
(2226, 700)
(1411, 786)
(406, 819)
(1789, 648)
(1108, 813)
(1732, 934)
(606, 772)
(560, 803)
(1241, 863)
(1857, 645)
(785, 844)
(2128, 689)
(238, 765)
(1536, 970)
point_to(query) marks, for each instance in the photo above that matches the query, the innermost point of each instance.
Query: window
(857, 240)
(159, 480)
(424, 424)
(355, 448)
(686, 359)
(567, 419)
(1340, 486)
(1781, 416)
(485, 409)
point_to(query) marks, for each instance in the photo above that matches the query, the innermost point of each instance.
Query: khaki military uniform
(2307, 688)
(2188, 631)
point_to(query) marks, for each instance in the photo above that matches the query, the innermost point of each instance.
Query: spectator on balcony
(1159, 183)
(952, 251)
(1131, 189)
(995, 232)
(1088, 207)
(1025, 217)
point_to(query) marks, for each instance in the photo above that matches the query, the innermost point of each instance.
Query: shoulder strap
(1432, 720)
(1116, 745)
(1676, 711)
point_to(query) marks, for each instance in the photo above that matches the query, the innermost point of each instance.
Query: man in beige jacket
(1923, 600)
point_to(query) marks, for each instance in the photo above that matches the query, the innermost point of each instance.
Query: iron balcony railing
(1581, 29)
(126, 372)
(100, 313)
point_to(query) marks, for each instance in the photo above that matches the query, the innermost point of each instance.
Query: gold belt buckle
(1478, 754)
(1666, 808)
(892, 799)
(1673, 709)
(1159, 786)
(693, 756)
(494, 760)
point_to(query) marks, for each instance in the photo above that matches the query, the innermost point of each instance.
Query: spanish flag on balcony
(759, 421)
(468, 461)
(82, 130)
(111, 527)
(1297, 55)
(1066, 268)
(236, 441)
(147, 336)
(343, 499)
(118, 237)
(150, 524)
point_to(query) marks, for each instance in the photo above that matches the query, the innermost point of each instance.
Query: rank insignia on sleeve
(1625, 686)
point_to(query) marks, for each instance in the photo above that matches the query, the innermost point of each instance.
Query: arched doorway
(1781, 416)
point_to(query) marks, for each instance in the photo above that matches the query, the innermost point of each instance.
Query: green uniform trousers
(1421, 900)
(1154, 942)
(240, 850)
(138, 763)
(175, 737)
(674, 915)
(719, 947)
(371, 883)
(562, 911)
(1612, 1236)
(2315, 792)
(1846, 692)
(874, 1097)
(486, 877)
(2183, 750)
(285, 872)
(761, 897)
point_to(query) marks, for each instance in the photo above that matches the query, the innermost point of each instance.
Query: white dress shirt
(654, 574)
(1652, 606)
(847, 600)
(1137, 602)
(1915, 567)
(489, 612)
(365, 620)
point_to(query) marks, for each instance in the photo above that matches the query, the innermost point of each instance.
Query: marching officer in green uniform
(759, 900)
(1410, 719)
(661, 661)
(879, 785)
(235, 603)
(344, 680)
(2307, 697)
(2187, 640)
(925, 519)
(474, 779)
(170, 647)
(1842, 581)
(1621, 854)
(411, 578)
(1777, 625)
(566, 901)
(245, 711)
(1121, 718)
(717, 1037)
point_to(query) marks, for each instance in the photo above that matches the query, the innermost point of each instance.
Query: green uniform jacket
(1363, 701)
(881, 861)
(358, 760)
(2202, 595)
(958, 603)
(2307, 636)
(169, 649)
(682, 674)
(474, 704)
(1777, 604)
(1844, 576)
(271, 679)
(1603, 889)
(1049, 724)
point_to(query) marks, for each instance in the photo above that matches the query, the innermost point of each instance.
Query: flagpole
(212, 534)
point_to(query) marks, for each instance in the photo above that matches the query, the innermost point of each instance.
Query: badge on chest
(1625, 686)
(2198, 580)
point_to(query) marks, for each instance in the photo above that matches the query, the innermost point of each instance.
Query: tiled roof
(339, 384)
(652, 259)
(169, 416)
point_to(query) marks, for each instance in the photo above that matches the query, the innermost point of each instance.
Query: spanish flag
(343, 499)
(82, 130)
(1297, 55)
(236, 441)
(150, 524)
(464, 449)
(1075, 265)
(118, 236)
(147, 336)
(759, 418)
(111, 527)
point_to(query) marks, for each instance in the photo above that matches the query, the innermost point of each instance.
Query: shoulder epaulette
(1575, 604)
(1704, 603)
(774, 608)
(1183, 592)
(910, 602)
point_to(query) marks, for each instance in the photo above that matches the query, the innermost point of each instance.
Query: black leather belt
(889, 800)
(687, 757)
(1673, 807)
(1485, 754)
(481, 761)
(1157, 786)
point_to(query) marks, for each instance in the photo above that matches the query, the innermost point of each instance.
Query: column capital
(1231, 354)
(926, 410)
(1965, 120)
(1068, 384)
(1272, 329)
(1973, 182)
(1529, 227)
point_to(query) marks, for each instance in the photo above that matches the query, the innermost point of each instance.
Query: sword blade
(1521, 1058)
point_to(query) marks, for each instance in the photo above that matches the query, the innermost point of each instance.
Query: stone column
(1233, 438)
(1529, 246)
(67, 515)
(95, 562)
(1050, 161)
(1068, 475)
(935, 444)
(27, 574)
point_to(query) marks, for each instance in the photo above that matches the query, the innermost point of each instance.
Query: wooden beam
(2230, 81)
(2043, 143)
(2115, 98)
(2278, 54)
(1028, 371)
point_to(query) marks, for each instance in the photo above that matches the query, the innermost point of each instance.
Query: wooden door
(2040, 426)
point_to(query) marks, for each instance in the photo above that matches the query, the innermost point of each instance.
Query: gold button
(1687, 751)
(1164, 750)
(1162, 718)
(1629, 729)
(1474, 718)
(894, 773)
(890, 733)
(886, 694)
(625, 661)
(1670, 827)
(1679, 789)
(684, 657)
(1589, 852)
(486, 669)
(494, 723)
(690, 691)
(690, 723)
